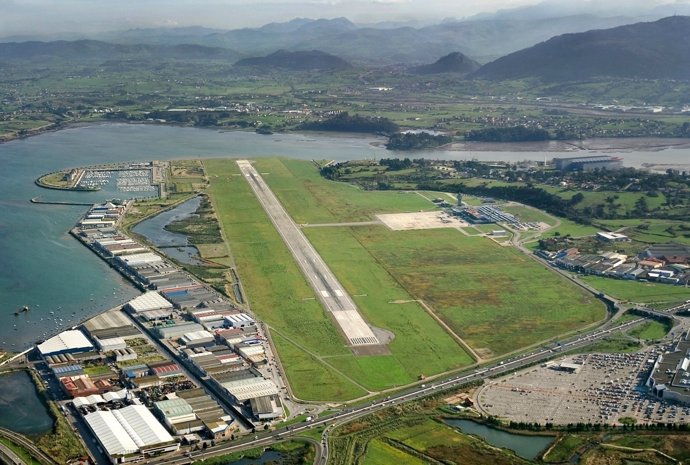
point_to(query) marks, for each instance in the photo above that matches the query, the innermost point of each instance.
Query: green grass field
(311, 199)
(308, 342)
(420, 346)
(494, 297)
(652, 231)
(485, 292)
(474, 284)
(275, 287)
(652, 330)
(656, 295)
(381, 453)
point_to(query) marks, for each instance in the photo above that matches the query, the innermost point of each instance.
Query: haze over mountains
(483, 39)
(454, 62)
(302, 60)
(653, 50)
(648, 50)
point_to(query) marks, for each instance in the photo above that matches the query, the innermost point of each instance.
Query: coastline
(610, 144)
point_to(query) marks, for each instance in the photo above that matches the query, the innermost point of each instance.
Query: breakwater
(59, 202)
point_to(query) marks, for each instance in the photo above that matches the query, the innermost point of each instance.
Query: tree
(641, 206)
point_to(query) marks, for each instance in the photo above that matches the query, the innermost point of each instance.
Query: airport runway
(319, 275)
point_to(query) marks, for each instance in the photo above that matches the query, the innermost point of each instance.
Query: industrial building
(165, 369)
(177, 330)
(113, 323)
(83, 385)
(605, 236)
(67, 342)
(140, 259)
(239, 320)
(130, 434)
(266, 408)
(197, 338)
(148, 303)
(178, 416)
(126, 354)
(670, 377)
(590, 163)
(218, 423)
(194, 411)
(110, 344)
(245, 386)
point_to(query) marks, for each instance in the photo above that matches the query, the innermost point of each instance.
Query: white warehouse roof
(110, 433)
(67, 341)
(245, 389)
(239, 319)
(141, 259)
(149, 301)
(197, 336)
(111, 343)
(126, 430)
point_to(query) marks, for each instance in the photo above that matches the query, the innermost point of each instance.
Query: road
(25, 443)
(327, 287)
(537, 355)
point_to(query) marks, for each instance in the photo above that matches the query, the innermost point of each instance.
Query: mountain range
(297, 61)
(646, 50)
(652, 50)
(482, 39)
(98, 50)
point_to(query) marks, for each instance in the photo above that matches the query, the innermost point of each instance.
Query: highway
(265, 439)
(25, 443)
(326, 286)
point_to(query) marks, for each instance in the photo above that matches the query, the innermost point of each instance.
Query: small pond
(21, 408)
(526, 446)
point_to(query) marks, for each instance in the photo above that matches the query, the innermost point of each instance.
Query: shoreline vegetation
(594, 144)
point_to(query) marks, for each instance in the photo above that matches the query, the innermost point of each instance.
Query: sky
(37, 17)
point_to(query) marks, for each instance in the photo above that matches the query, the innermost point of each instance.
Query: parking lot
(607, 387)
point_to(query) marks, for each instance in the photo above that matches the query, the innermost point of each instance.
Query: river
(48, 270)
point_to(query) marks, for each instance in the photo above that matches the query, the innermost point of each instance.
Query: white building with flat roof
(130, 433)
(239, 320)
(67, 342)
(249, 388)
(148, 302)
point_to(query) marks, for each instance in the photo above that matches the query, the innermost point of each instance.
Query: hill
(86, 50)
(382, 43)
(296, 61)
(651, 50)
(454, 62)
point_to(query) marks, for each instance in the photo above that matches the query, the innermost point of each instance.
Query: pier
(59, 202)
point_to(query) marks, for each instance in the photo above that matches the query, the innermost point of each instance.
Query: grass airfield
(492, 297)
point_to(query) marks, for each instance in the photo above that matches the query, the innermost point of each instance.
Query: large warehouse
(113, 323)
(147, 302)
(130, 433)
(67, 342)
